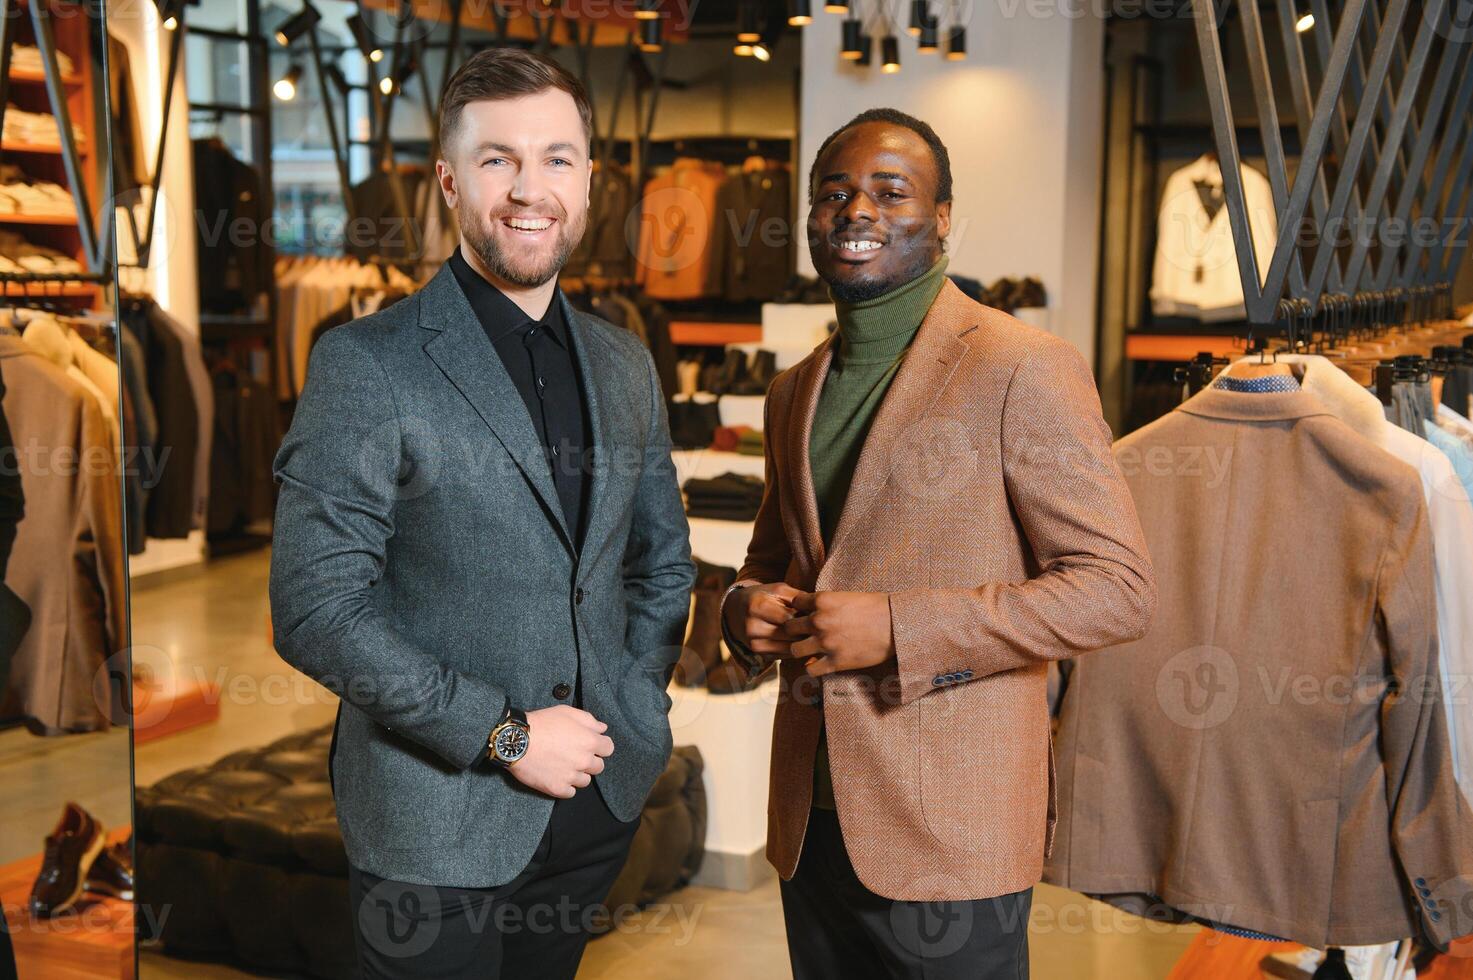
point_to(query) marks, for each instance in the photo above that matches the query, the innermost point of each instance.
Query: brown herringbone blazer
(987, 503)
(1273, 753)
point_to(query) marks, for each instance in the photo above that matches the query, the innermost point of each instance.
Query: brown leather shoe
(71, 850)
(112, 873)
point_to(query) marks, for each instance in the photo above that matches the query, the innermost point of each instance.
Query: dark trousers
(535, 925)
(839, 928)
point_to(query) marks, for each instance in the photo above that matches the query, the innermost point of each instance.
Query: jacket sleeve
(338, 468)
(1095, 587)
(768, 553)
(1431, 823)
(658, 571)
(12, 498)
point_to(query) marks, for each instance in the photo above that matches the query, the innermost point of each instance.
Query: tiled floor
(215, 626)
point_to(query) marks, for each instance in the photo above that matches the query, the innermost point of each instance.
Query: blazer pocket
(407, 797)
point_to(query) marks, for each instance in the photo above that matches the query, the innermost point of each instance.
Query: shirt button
(555, 451)
(541, 382)
(561, 692)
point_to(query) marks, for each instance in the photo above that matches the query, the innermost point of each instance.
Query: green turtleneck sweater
(873, 338)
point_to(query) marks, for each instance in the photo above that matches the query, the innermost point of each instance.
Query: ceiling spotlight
(853, 35)
(836, 6)
(651, 35)
(920, 16)
(800, 12)
(749, 22)
(648, 10)
(285, 88)
(742, 49)
(761, 51)
(890, 55)
(956, 44)
(169, 11)
(1304, 23)
(364, 38)
(928, 40)
(297, 25)
(386, 84)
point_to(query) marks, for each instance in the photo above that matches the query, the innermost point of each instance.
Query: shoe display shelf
(93, 940)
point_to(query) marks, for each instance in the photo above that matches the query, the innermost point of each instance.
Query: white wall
(172, 276)
(1022, 120)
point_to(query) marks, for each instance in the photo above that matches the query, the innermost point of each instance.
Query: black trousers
(535, 925)
(839, 928)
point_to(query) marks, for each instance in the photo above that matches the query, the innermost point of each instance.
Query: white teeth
(859, 246)
(524, 224)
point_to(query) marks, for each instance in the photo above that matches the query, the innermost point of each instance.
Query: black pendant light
(928, 39)
(890, 54)
(363, 37)
(920, 16)
(285, 87)
(647, 10)
(651, 35)
(749, 22)
(866, 51)
(800, 12)
(836, 6)
(956, 44)
(853, 40)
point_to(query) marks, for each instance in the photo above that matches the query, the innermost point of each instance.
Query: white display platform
(795, 327)
(707, 463)
(734, 734)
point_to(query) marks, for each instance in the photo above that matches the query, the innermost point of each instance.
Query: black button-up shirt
(538, 354)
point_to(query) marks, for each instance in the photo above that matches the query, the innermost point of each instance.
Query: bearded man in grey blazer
(480, 546)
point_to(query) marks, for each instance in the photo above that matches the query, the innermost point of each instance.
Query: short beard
(496, 262)
(861, 292)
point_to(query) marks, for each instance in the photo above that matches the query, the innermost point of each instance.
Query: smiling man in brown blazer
(942, 519)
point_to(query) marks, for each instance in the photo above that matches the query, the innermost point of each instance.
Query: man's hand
(840, 630)
(567, 749)
(755, 616)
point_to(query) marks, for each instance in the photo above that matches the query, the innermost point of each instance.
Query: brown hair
(506, 73)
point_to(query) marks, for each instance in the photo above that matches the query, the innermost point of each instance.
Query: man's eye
(564, 163)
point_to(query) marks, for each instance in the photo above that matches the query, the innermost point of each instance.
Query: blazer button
(561, 691)
(578, 597)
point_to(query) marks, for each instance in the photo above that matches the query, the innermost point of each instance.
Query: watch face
(511, 743)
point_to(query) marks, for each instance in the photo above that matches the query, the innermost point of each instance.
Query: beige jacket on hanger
(1272, 755)
(68, 559)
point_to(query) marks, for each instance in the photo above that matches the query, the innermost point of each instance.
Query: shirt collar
(496, 311)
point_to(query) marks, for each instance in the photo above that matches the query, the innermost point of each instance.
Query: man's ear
(943, 220)
(445, 177)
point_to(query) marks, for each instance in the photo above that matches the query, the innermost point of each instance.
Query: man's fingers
(799, 627)
(804, 602)
(581, 779)
(805, 648)
(594, 766)
(770, 609)
(818, 666)
(771, 648)
(603, 746)
(785, 590)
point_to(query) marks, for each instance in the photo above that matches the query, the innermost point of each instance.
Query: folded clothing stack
(728, 497)
(27, 57)
(738, 439)
(19, 255)
(33, 127)
(21, 196)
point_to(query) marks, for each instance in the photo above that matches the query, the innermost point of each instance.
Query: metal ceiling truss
(1367, 128)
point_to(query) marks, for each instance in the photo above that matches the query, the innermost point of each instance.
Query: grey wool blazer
(422, 570)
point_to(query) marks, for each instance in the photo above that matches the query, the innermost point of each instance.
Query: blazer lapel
(464, 354)
(802, 520)
(924, 373)
(601, 385)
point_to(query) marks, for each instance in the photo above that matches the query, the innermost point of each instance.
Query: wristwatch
(510, 739)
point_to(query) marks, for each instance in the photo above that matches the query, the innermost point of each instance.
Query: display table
(91, 941)
(734, 734)
(1216, 956)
